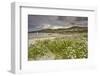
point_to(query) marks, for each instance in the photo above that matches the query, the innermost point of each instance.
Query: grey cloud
(36, 22)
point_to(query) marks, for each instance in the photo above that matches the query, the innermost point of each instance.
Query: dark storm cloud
(36, 22)
(39, 20)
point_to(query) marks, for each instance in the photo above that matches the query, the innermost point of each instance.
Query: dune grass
(61, 48)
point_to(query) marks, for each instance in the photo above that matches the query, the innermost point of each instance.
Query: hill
(63, 30)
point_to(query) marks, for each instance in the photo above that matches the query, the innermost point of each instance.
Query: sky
(38, 22)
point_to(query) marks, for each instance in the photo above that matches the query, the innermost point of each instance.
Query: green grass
(61, 48)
